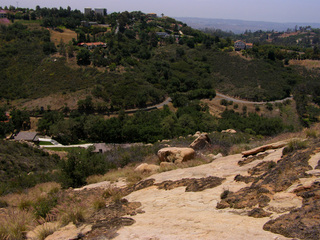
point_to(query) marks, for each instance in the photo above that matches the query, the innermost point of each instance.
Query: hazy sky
(257, 10)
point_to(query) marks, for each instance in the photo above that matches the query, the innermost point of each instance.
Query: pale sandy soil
(176, 214)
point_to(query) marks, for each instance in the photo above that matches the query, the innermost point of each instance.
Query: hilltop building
(87, 11)
(101, 11)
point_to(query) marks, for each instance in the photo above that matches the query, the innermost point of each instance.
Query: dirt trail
(222, 96)
(176, 214)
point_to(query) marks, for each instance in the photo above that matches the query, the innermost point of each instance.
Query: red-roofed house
(93, 45)
(249, 45)
(3, 17)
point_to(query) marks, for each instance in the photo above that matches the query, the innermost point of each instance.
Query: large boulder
(167, 165)
(147, 168)
(175, 155)
(229, 131)
(201, 142)
(214, 157)
(197, 134)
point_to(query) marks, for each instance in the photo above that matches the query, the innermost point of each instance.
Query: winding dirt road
(222, 96)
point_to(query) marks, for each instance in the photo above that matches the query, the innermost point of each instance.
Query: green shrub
(74, 212)
(271, 164)
(311, 133)
(3, 204)
(25, 204)
(44, 205)
(99, 203)
(225, 194)
(269, 106)
(294, 145)
(224, 102)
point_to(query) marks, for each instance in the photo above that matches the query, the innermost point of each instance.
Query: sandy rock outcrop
(175, 155)
(303, 222)
(214, 157)
(165, 165)
(147, 168)
(201, 142)
(264, 148)
(197, 134)
(232, 131)
(70, 232)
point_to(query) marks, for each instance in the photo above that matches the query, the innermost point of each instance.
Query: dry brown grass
(55, 101)
(112, 193)
(76, 212)
(66, 36)
(127, 173)
(44, 230)
(309, 64)
(15, 223)
(23, 200)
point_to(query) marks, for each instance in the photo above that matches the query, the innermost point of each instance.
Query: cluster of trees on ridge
(141, 68)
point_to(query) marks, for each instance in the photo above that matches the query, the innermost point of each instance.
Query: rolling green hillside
(22, 166)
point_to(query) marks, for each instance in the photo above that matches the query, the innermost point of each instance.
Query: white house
(239, 45)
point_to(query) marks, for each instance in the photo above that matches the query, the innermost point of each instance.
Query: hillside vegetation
(22, 166)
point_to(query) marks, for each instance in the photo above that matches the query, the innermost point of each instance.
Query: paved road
(222, 96)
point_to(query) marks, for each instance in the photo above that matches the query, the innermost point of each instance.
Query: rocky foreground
(264, 196)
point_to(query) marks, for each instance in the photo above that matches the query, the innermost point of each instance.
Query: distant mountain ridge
(240, 26)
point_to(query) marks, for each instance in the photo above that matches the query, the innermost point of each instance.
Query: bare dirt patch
(55, 101)
(216, 109)
(238, 53)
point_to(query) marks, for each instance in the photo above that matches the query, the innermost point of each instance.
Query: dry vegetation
(55, 101)
(308, 64)
(66, 36)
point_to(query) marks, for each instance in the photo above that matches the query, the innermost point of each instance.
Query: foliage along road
(222, 96)
(160, 105)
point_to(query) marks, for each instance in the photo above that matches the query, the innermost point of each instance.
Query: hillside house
(3, 17)
(101, 148)
(162, 34)
(241, 45)
(3, 14)
(152, 15)
(88, 24)
(27, 136)
(93, 45)
(249, 45)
